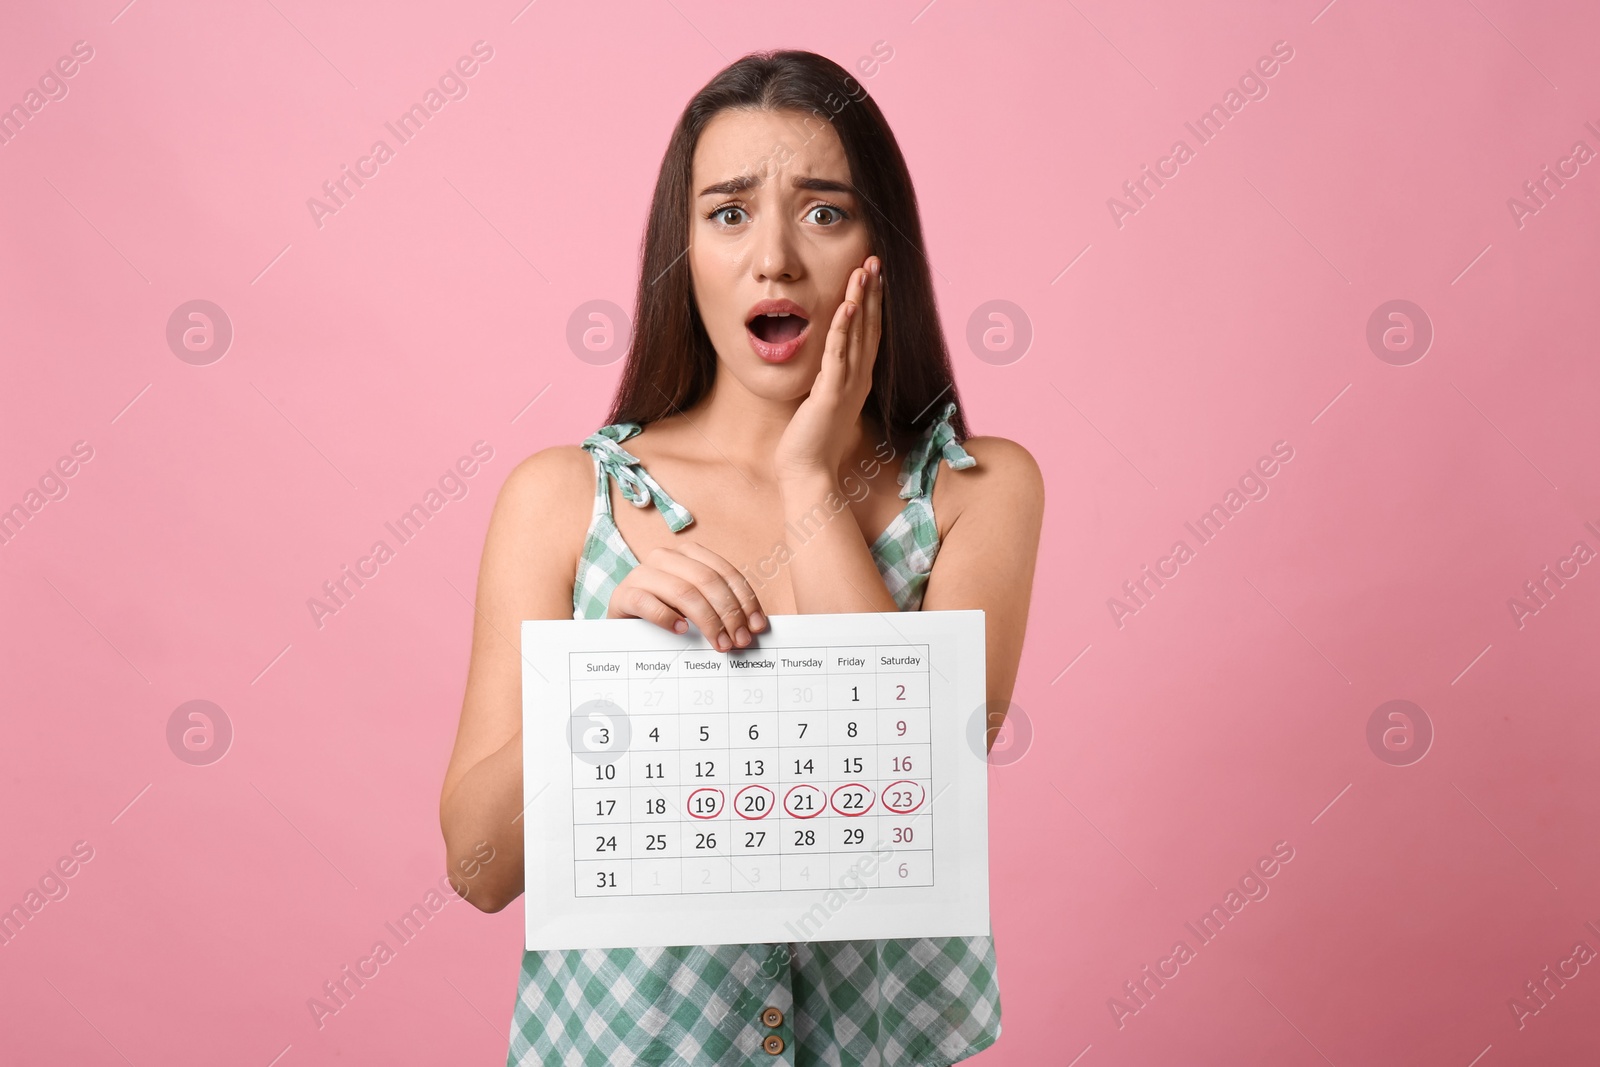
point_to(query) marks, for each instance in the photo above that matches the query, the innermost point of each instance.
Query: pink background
(1168, 754)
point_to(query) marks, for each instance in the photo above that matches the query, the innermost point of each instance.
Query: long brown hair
(671, 362)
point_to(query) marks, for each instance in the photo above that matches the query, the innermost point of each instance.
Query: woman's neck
(735, 422)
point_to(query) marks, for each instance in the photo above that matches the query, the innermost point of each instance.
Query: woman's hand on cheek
(815, 440)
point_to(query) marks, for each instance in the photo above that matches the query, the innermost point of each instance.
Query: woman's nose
(775, 255)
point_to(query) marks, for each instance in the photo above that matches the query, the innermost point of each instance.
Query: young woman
(788, 382)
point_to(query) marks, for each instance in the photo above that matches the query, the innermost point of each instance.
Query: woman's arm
(530, 560)
(832, 570)
(986, 557)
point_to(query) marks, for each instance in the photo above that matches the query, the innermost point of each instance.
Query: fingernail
(682, 626)
(758, 621)
(741, 636)
(722, 641)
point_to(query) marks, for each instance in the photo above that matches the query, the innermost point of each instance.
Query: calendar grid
(750, 771)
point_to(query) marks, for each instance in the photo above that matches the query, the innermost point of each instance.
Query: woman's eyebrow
(751, 181)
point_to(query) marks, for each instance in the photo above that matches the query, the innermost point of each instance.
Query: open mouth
(778, 328)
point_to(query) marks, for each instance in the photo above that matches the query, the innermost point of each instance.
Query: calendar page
(828, 782)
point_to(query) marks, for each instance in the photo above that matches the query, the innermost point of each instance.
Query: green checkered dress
(926, 1002)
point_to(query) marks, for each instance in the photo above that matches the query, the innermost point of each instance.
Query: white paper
(829, 782)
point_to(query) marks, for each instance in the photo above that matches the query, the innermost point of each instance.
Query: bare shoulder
(551, 491)
(551, 477)
(1003, 492)
(1005, 472)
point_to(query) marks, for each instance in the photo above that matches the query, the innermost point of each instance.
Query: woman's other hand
(693, 583)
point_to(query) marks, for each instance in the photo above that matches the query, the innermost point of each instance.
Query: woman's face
(773, 218)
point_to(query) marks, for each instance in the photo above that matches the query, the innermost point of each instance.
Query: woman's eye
(831, 216)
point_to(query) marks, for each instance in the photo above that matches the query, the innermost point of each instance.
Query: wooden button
(773, 1044)
(771, 1017)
